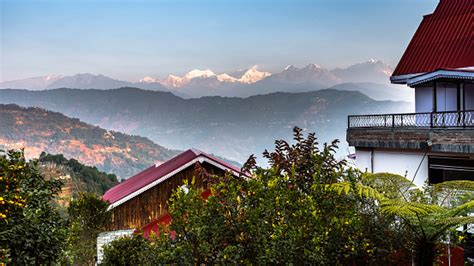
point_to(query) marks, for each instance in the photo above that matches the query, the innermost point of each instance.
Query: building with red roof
(444, 40)
(139, 204)
(142, 198)
(436, 143)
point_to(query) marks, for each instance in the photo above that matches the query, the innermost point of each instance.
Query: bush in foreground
(31, 229)
(284, 214)
(307, 208)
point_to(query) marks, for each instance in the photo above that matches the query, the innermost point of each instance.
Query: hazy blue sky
(131, 39)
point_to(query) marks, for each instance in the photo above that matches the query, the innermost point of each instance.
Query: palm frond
(358, 189)
(466, 207)
(406, 209)
(456, 221)
(391, 185)
(463, 185)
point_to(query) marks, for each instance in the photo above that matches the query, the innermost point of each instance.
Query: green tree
(128, 251)
(283, 214)
(31, 229)
(88, 216)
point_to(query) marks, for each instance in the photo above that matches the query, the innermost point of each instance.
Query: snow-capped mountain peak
(196, 73)
(250, 76)
(148, 79)
(253, 75)
(226, 78)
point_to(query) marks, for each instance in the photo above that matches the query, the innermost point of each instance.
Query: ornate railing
(422, 120)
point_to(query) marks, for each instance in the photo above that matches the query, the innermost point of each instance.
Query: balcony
(454, 119)
(449, 132)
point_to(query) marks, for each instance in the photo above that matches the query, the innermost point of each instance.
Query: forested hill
(77, 176)
(38, 130)
(228, 126)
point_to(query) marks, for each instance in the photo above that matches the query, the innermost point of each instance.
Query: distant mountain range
(38, 130)
(241, 83)
(231, 127)
(78, 81)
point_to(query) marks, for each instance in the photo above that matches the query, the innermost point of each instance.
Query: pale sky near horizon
(127, 39)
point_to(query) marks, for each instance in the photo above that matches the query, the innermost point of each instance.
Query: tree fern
(357, 188)
(429, 213)
(461, 209)
(402, 208)
(462, 185)
(456, 221)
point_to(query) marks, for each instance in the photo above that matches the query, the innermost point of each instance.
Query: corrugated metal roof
(444, 39)
(154, 173)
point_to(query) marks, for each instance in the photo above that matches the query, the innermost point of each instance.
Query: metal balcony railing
(452, 119)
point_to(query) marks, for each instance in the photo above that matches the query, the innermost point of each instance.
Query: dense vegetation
(31, 228)
(307, 208)
(88, 216)
(85, 178)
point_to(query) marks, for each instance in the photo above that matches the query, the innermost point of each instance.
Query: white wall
(363, 161)
(402, 163)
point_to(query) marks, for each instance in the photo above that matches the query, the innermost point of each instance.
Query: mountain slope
(370, 71)
(231, 127)
(35, 83)
(39, 130)
(76, 177)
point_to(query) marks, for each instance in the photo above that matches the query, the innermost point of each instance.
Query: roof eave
(201, 158)
(439, 74)
(402, 79)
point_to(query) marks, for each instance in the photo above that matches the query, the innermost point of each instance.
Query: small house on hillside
(140, 202)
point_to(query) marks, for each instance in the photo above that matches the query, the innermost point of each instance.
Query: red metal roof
(444, 39)
(154, 173)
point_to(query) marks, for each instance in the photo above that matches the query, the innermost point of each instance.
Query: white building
(437, 142)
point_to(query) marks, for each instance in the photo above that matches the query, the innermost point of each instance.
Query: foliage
(127, 251)
(93, 179)
(430, 215)
(284, 214)
(88, 216)
(31, 229)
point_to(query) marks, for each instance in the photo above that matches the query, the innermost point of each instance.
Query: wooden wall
(151, 204)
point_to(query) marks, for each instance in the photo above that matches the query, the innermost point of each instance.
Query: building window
(446, 97)
(442, 169)
(468, 89)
